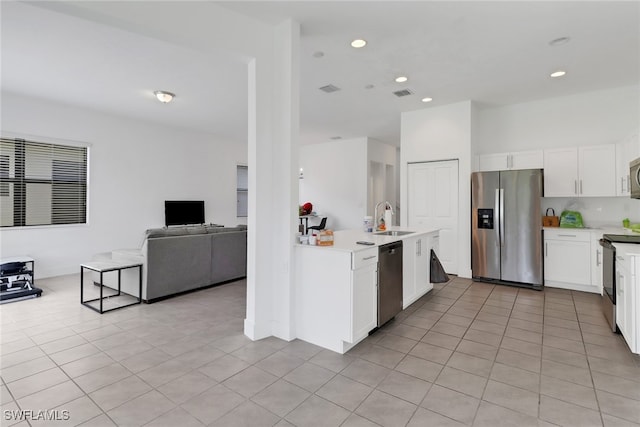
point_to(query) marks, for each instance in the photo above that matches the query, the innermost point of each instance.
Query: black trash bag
(437, 273)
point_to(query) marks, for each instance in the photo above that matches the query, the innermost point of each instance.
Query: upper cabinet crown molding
(588, 171)
(511, 161)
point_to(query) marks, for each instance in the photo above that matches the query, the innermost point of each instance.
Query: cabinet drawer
(568, 234)
(363, 258)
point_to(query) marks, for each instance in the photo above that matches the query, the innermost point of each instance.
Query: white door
(432, 202)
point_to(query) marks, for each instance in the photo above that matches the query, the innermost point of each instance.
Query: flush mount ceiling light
(163, 96)
(559, 41)
(558, 73)
(427, 99)
(358, 43)
(401, 79)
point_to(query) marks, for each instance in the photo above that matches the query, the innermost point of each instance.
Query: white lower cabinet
(364, 300)
(567, 259)
(336, 296)
(627, 296)
(416, 259)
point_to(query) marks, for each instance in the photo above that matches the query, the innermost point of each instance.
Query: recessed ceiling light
(358, 43)
(163, 96)
(427, 99)
(558, 73)
(318, 54)
(559, 41)
(401, 79)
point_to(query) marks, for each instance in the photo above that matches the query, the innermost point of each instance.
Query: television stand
(16, 279)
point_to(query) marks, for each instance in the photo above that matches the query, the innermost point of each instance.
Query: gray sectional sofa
(181, 259)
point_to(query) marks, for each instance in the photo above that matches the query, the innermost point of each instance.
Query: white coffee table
(103, 267)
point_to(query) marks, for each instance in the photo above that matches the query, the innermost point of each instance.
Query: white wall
(386, 156)
(441, 133)
(335, 181)
(133, 168)
(338, 179)
(592, 118)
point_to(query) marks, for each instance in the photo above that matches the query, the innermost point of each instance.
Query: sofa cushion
(165, 232)
(196, 229)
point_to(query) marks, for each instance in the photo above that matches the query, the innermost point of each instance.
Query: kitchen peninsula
(337, 286)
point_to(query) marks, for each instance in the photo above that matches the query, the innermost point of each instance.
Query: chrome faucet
(387, 205)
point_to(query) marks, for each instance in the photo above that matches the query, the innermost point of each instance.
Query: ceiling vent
(403, 92)
(329, 88)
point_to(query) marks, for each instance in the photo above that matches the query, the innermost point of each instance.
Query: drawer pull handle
(567, 235)
(369, 257)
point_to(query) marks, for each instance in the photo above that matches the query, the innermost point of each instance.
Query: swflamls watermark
(31, 415)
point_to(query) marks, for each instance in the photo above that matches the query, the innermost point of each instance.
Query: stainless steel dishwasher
(389, 281)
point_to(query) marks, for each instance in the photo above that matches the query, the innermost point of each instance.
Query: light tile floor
(465, 354)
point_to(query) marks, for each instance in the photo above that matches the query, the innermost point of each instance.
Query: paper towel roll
(388, 218)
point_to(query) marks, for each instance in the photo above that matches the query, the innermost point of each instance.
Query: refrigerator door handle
(497, 217)
(501, 217)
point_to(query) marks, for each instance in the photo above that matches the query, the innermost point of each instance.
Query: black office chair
(323, 224)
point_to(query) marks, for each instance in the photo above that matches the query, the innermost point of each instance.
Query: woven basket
(550, 220)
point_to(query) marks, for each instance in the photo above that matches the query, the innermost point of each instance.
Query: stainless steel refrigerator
(506, 227)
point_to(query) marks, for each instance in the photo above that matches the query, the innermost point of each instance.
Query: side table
(103, 267)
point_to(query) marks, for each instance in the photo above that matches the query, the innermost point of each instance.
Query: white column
(273, 157)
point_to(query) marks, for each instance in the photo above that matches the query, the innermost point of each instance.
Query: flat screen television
(183, 212)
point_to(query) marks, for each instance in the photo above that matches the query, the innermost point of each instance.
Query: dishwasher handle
(390, 248)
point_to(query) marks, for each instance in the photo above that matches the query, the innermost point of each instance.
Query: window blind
(42, 183)
(242, 190)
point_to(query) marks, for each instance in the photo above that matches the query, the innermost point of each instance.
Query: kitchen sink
(394, 233)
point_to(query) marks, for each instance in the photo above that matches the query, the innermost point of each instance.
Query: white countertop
(345, 240)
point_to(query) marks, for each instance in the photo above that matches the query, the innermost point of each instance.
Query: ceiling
(495, 53)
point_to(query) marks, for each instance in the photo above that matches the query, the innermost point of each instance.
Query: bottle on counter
(368, 224)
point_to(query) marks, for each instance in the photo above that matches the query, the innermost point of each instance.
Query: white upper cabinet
(580, 171)
(596, 166)
(511, 161)
(626, 150)
(561, 172)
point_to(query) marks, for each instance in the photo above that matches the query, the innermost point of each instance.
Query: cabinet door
(567, 261)
(561, 172)
(626, 151)
(597, 171)
(493, 162)
(596, 261)
(422, 266)
(364, 301)
(527, 160)
(409, 248)
(625, 302)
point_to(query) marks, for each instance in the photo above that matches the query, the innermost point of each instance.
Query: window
(42, 184)
(242, 189)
